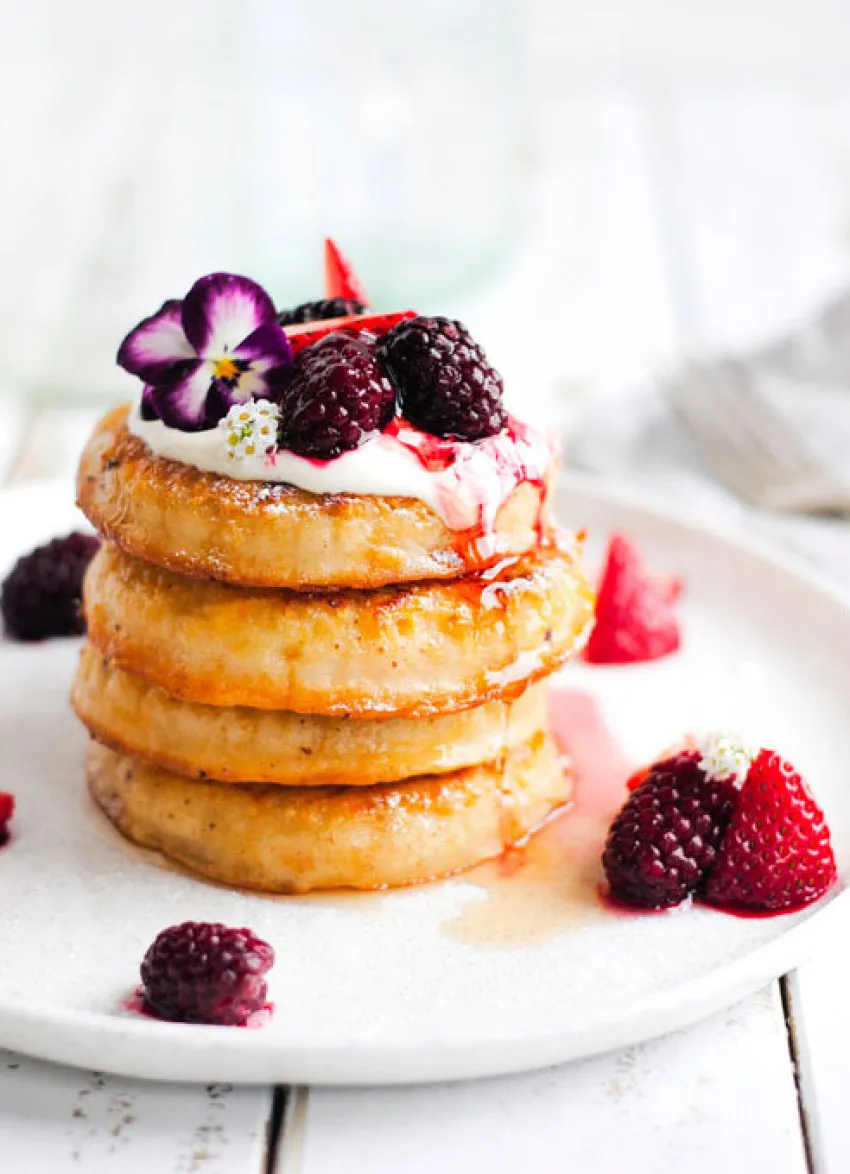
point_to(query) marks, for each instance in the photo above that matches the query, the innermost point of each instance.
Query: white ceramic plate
(391, 987)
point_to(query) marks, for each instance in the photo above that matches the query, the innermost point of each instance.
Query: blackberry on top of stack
(328, 598)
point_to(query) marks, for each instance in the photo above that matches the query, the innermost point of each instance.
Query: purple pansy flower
(218, 347)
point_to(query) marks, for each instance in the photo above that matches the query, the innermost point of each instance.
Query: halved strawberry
(776, 853)
(340, 279)
(304, 334)
(635, 617)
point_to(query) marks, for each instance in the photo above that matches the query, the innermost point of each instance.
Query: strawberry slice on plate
(635, 610)
(7, 810)
(776, 854)
(340, 279)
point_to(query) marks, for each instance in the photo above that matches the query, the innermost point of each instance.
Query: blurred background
(596, 186)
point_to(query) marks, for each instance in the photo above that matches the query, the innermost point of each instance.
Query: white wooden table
(661, 221)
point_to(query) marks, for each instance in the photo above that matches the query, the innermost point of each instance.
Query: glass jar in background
(157, 142)
(403, 126)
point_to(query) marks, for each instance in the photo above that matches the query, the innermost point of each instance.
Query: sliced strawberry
(340, 279)
(635, 619)
(672, 586)
(304, 334)
(7, 810)
(776, 853)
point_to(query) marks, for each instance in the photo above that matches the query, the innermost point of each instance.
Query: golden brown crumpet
(260, 534)
(412, 651)
(293, 839)
(276, 746)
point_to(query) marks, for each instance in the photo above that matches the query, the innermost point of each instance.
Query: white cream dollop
(464, 483)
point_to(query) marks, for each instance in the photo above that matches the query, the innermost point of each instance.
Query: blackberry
(201, 972)
(445, 384)
(319, 311)
(663, 843)
(334, 398)
(41, 595)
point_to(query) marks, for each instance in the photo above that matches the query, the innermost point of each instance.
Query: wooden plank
(61, 1120)
(819, 1018)
(717, 1097)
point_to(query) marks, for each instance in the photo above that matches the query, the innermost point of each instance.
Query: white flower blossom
(250, 429)
(725, 756)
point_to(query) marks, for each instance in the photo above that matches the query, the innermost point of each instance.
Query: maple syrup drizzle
(535, 891)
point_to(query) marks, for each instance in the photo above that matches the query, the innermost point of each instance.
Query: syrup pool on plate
(551, 883)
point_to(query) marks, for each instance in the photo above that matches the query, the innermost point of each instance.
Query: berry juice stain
(137, 1004)
(760, 914)
(582, 735)
(552, 882)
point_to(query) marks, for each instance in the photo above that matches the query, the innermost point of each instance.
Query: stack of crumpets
(328, 597)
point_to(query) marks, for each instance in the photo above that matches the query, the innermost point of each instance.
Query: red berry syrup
(138, 1005)
(583, 736)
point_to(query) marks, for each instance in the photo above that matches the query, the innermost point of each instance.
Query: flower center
(225, 368)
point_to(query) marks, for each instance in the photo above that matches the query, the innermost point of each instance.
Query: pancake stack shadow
(361, 711)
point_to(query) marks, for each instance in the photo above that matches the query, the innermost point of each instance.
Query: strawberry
(635, 616)
(304, 334)
(340, 279)
(7, 810)
(776, 853)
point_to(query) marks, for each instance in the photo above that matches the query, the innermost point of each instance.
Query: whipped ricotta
(464, 483)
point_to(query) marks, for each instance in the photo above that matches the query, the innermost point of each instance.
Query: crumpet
(273, 535)
(291, 840)
(411, 651)
(240, 745)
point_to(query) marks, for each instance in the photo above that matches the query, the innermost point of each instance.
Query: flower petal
(183, 402)
(267, 345)
(225, 393)
(147, 406)
(221, 310)
(152, 349)
(221, 399)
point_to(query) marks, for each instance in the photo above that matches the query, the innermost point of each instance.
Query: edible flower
(250, 430)
(198, 357)
(724, 756)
